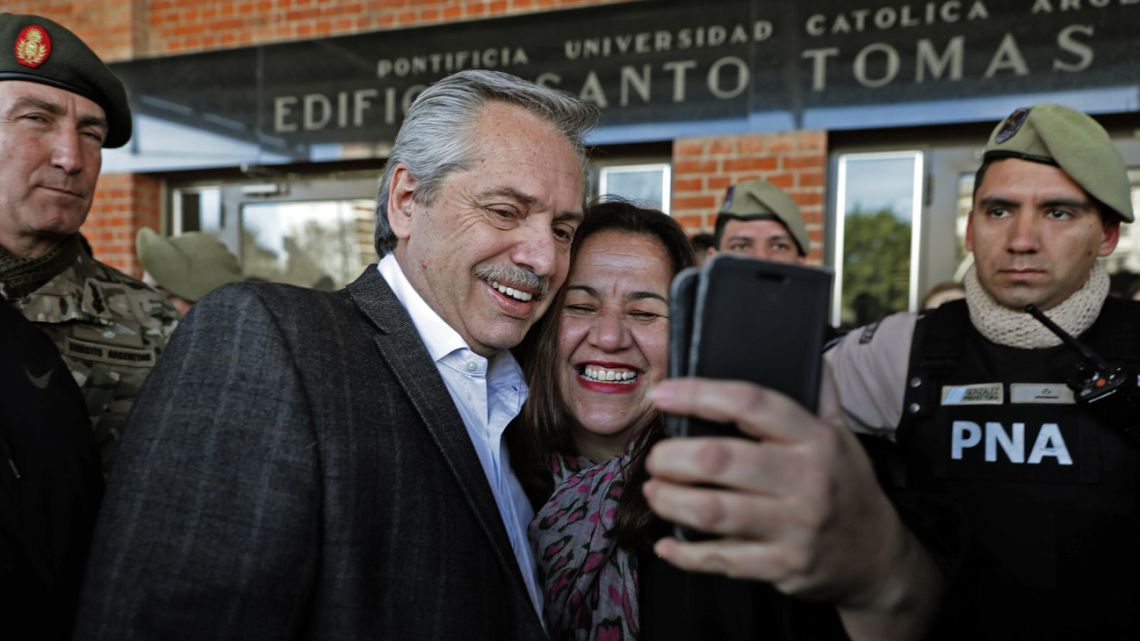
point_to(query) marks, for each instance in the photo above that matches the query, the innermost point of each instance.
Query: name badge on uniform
(109, 353)
(1041, 393)
(979, 394)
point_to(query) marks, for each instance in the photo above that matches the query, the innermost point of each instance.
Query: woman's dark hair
(547, 420)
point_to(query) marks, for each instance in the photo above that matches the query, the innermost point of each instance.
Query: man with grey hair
(314, 465)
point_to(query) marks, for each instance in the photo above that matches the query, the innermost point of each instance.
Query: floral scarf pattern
(589, 581)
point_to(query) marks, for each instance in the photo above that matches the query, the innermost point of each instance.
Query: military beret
(1071, 140)
(759, 200)
(36, 49)
(188, 266)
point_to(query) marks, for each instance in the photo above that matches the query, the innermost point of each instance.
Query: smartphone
(682, 299)
(748, 320)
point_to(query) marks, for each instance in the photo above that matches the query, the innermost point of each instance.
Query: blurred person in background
(943, 293)
(760, 220)
(185, 267)
(702, 243)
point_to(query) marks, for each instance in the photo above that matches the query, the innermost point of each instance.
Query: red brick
(783, 181)
(223, 25)
(752, 144)
(688, 148)
(723, 146)
(813, 139)
(694, 202)
(683, 167)
(810, 178)
(780, 145)
(718, 183)
(687, 184)
(745, 164)
(690, 222)
(798, 162)
(805, 199)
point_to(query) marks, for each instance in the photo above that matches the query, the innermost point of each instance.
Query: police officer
(185, 267)
(974, 393)
(59, 106)
(759, 220)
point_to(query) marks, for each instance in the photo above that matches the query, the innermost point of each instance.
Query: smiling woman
(588, 422)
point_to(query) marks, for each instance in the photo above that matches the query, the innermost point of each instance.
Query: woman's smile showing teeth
(596, 373)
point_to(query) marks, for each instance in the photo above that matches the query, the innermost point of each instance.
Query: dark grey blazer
(295, 469)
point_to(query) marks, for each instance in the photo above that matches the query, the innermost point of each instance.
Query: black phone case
(761, 322)
(750, 320)
(682, 299)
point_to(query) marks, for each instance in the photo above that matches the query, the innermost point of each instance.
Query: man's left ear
(401, 201)
(1111, 237)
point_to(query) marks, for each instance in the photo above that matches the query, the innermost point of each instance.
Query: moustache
(514, 277)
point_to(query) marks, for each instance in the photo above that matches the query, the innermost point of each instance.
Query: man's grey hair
(436, 136)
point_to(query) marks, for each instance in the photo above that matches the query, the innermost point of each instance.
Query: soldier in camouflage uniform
(59, 106)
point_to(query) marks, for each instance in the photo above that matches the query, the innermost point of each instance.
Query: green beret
(1071, 140)
(761, 200)
(36, 49)
(188, 266)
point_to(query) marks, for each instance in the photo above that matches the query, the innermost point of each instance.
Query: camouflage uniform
(109, 329)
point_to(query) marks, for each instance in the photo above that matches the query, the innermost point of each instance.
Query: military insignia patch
(33, 46)
(1011, 125)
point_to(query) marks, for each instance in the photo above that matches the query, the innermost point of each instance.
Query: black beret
(36, 49)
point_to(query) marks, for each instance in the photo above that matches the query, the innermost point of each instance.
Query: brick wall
(123, 204)
(794, 161)
(114, 29)
(126, 29)
(180, 25)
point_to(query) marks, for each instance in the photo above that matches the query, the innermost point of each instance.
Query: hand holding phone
(747, 320)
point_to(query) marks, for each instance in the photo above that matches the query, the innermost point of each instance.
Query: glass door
(877, 227)
(307, 231)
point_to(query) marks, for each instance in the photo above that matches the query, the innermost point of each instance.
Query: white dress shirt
(488, 393)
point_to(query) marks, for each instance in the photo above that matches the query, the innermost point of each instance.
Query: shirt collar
(439, 337)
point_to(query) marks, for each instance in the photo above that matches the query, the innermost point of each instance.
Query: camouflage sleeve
(116, 384)
(110, 330)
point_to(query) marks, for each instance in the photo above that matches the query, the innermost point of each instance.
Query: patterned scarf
(589, 581)
(1018, 329)
(22, 276)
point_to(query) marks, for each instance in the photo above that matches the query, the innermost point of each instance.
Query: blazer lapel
(400, 345)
